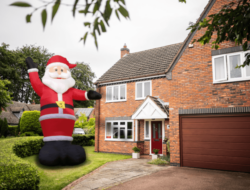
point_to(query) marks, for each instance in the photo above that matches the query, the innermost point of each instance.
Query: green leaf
(102, 26)
(21, 4)
(87, 24)
(84, 37)
(97, 6)
(123, 11)
(74, 7)
(55, 9)
(44, 17)
(28, 18)
(182, 1)
(123, 1)
(117, 14)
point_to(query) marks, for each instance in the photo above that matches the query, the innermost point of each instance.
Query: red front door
(156, 136)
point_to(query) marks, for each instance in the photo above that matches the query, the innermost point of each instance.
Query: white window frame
(143, 96)
(149, 126)
(126, 133)
(227, 70)
(119, 89)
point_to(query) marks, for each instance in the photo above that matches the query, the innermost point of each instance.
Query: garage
(219, 142)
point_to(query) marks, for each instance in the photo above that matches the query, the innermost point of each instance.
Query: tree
(84, 81)
(231, 23)
(14, 69)
(101, 11)
(4, 95)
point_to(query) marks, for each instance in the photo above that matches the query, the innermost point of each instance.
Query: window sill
(115, 101)
(120, 140)
(140, 98)
(146, 139)
(239, 80)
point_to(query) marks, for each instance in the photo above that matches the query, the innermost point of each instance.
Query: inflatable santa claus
(57, 116)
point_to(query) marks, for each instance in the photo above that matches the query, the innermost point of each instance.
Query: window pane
(130, 125)
(115, 96)
(159, 131)
(122, 132)
(115, 132)
(115, 123)
(108, 130)
(122, 92)
(219, 68)
(147, 129)
(153, 130)
(122, 123)
(248, 70)
(139, 90)
(109, 93)
(234, 61)
(129, 134)
(146, 89)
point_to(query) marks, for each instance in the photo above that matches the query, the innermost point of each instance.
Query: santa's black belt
(56, 106)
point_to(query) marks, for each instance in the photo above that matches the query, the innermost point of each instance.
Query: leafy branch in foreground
(231, 23)
(101, 14)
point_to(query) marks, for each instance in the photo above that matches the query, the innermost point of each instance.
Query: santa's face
(58, 78)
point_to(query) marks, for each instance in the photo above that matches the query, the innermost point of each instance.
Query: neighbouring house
(89, 112)
(14, 111)
(186, 92)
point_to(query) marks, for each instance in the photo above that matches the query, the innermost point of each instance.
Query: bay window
(119, 130)
(142, 90)
(116, 93)
(224, 68)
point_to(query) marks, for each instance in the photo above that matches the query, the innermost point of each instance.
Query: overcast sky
(152, 24)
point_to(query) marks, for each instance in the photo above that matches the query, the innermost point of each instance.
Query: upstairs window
(116, 93)
(142, 90)
(224, 68)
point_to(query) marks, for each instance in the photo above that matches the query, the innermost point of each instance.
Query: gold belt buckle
(61, 104)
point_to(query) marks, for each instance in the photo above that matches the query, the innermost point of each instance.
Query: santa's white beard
(58, 85)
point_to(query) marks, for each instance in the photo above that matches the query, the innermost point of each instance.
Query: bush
(136, 149)
(28, 148)
(156, 151)
(19, 176)
(77, 124)
(30, 122)
(166, 158)
(4, 128)
(83, 140)
(92, 141)
(13, 130)
(168, 146)
(158, 161)
(28, 134)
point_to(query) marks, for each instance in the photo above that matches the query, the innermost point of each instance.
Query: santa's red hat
(58, 60)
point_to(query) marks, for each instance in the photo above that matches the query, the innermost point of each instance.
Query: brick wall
(160, 88)
(192, 85)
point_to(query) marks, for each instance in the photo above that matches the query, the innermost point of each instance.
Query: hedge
(30, 122)
(13, 130)
(83, 140)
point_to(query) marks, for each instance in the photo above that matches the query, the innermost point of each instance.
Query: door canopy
(151, 108)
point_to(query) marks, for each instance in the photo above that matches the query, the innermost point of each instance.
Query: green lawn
(56, 178)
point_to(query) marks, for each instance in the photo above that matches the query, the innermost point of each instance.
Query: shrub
(77, 124)
(168, 146)
(28, 134)
(19, 176)
(155, 151)
(13, 130)
(136, 149)
(28, 147)
(166, 158)
(158, 161)
(18, 126)
(83, 140)
(4, 128)
(92, 141)
(30, 122)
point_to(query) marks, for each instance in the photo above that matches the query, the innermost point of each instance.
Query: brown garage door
(221, 142)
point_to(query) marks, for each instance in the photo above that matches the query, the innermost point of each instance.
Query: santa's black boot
(49, 154)
(75, 154)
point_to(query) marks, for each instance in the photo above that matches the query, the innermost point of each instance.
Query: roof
(86, 111)
(158, 102)
(189, 37)
(141, 64)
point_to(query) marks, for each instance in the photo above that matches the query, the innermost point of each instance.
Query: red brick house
(205, 99)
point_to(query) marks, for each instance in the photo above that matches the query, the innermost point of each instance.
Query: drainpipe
(98, 123)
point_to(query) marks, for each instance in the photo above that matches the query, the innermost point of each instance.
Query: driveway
(183, 178)
(114, 173)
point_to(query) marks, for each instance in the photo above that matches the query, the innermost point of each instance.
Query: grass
(57, 177)
(158, 162)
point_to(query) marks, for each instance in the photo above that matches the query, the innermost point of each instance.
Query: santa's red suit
(57, 123)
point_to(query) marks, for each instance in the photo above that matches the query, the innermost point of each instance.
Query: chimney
(124, 51)
(33, 102)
